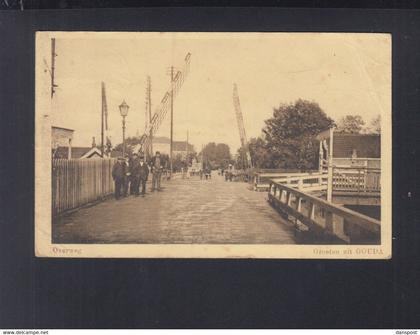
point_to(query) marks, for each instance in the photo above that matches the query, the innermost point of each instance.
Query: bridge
(188, 210)
(289, 208)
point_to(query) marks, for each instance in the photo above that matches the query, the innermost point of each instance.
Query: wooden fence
(357, 179)
(76, 182)
(323, 218)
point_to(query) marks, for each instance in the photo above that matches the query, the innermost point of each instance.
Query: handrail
(301, 178)
(281, 195)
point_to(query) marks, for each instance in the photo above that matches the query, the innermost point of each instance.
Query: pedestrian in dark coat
(143, 175)
(135, 175)
(157, 167)
(118, 174)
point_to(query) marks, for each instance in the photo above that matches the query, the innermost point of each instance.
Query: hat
(157, 152)
(135, 154)
(141, 156)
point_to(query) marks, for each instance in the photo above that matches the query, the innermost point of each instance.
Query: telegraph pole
(187, 149)
(53, 55)
(172, 119)
(149, 98)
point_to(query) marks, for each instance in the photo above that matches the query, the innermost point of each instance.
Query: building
(351, 149)
(77, 153)
(61, 145)
(163, 145)
(62, 137)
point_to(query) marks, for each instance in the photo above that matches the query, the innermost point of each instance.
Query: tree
(291, 134)
(260, 155)
(375, 125)
(216, 155)
(130, 142)
(351, 124)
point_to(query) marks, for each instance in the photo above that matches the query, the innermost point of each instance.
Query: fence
(357, 179)
(76, 182)
(323, 218)
(261, 179)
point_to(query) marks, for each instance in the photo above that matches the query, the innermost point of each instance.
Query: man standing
(118, 174)
(156, 165)
(143, 175)
(127, 178)
(135, 175)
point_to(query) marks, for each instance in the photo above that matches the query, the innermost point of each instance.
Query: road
(186, 211)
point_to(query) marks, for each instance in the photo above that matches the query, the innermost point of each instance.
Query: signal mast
(239, 118)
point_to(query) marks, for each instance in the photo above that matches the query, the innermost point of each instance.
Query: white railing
(261, 180)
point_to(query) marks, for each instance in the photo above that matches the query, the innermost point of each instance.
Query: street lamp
(123, 111)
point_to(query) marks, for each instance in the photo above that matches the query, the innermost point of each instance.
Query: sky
(344, 73)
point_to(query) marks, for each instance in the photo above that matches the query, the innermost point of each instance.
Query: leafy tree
(290, 134)
(216, 155)
(352, 124)
(375, 125)
(260, 155)
(130, 142)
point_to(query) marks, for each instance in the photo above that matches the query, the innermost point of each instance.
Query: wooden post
(299, 204)
(69, 149)
(330, 167)
(329, 222)
(311, 211)
(300, 183)
(289, 198)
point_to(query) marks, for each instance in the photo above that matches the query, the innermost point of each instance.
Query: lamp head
(124, 108)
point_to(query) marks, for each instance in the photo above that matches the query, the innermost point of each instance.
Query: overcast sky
(344, 73)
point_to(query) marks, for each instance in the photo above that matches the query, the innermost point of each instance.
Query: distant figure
(208, 173)
(156, 166)
(201, 173)
(143, 174)
(118, 174)
(229, 173)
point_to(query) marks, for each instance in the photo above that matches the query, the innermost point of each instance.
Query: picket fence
(77, 182)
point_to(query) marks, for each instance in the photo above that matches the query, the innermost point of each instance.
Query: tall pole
(53, 54)
(123, 129)
(172, 119)
(149, 99)
(102, 121)
(187, 150)
(330, 166)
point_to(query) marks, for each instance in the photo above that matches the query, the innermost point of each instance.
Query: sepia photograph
(213, 145)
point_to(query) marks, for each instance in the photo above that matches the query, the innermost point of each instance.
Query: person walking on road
(143, 175)
(156, 165)
(118, 174)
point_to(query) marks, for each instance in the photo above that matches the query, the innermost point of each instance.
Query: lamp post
(123, 111)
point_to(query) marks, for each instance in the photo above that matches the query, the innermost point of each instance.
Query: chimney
(93, 142)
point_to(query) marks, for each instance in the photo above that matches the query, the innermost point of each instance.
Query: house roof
(76, 152)
(68, 129)
(161, 139)
(177, 145)
(366, 145)
(182, 146)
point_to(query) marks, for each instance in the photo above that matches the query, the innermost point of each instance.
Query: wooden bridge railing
(322, 217)
(357, 179)
(76, 182)
(261, 180)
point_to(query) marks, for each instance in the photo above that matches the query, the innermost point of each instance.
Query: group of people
(131, 175)
(205, 173)
(228, 173)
